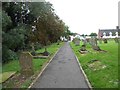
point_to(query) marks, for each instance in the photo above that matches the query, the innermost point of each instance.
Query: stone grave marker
(93, 41)
(33, 49)
(26, 64)
(84, 41)
(83, 49)
(116, 40)
(94, 44)
(77, 41)
(105, 40)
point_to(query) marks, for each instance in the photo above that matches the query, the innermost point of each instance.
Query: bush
(8, 55)
(38, 46)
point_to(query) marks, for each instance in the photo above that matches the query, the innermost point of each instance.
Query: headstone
(96, 48)
(93, 41)
(83, 48)
(77, 41)
(105, 40)
(94, 44)
(88, 40)
(26, 64)
(84, 41)
(116, 40)
(33, 49)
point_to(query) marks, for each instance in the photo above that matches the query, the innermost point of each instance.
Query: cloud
(86, 16)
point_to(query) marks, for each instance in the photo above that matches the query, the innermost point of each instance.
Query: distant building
(108, 33)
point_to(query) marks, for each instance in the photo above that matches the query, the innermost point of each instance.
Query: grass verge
(105, 77)
(38, 64)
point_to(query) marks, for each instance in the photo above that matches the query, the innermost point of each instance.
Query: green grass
(37, 63)
(4, 76)
(103, 78)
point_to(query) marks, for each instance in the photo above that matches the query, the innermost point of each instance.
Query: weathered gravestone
(83, 49)
(76, 41)
(26, 64)
(94, 44)
(88, 40)
(84, 41)
(93, 41)
(33, 49)
(105, 40)
(116, 40)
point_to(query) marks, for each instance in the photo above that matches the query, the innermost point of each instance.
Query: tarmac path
(62, 72)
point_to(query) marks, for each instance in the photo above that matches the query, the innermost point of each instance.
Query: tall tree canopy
(24, 23)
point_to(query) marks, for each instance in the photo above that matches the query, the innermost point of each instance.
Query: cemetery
(39, 50)
(19, 74)
(100, 66)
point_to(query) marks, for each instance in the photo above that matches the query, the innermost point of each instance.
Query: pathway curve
(62, 72)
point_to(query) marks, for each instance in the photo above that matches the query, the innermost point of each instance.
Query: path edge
(85, 76)
(44, 68)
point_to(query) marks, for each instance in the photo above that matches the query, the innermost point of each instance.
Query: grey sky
(86, 16)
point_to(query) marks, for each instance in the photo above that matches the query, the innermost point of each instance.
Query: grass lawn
(38, 64)
(104, 77)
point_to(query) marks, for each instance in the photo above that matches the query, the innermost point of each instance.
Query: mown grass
(103, 78)
(38, 64)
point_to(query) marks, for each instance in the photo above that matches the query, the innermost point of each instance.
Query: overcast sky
(86, 16)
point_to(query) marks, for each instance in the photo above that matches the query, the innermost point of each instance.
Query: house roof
(107, 31)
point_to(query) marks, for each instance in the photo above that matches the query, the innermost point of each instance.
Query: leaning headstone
(26, 64)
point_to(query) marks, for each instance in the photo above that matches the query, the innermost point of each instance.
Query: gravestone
(77, 41)
(94, 44)
(88, 40)
(83, 48)
(93, 41)
(105, 40)
(116, 40)
(33, 49)
(26, 64)
(84, 41)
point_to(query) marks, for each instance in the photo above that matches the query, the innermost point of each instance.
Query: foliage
(24, 23)
(38, 64)
(93, 34)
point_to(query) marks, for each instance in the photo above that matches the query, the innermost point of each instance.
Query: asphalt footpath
(62, 72)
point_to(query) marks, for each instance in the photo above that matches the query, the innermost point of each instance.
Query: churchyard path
(62, 72)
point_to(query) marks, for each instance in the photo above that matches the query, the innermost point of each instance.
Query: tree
(14, 31)
(93, 34)
(23, 24)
